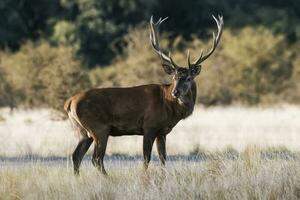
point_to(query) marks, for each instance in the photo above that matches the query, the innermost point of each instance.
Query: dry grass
(248, 177)
(266, 170)
(32, 132)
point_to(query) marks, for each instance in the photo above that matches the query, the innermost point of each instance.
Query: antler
(220, 24)
(155, 41)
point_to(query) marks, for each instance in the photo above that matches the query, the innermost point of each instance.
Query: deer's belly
(119, 131)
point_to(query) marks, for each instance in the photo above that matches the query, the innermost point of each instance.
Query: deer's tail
(75, 121)
(67, 105)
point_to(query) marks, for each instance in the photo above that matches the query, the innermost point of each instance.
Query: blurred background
(51, 49)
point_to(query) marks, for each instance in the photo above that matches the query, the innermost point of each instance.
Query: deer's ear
(169, 69)
(195, 70)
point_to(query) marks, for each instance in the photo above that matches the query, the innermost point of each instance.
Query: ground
(217, 153)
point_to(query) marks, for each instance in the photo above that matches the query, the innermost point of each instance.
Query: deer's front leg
(161, 148)
(147, 148)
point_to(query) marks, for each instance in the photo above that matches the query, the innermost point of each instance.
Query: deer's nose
(175, 93)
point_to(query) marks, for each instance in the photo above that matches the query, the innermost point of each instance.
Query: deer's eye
(188, 79)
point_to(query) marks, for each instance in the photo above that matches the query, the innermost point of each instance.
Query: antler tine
(189, 58)
(216, 39)
(172, 62)
(162, 20)
(155, 41)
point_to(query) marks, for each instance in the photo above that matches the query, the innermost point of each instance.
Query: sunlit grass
(248, 177)
(32, 132)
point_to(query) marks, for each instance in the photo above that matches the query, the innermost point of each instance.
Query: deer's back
(122, 110)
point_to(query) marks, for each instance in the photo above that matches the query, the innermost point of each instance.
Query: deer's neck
(181, 107)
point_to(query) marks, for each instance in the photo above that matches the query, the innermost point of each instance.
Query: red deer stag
(148, 110)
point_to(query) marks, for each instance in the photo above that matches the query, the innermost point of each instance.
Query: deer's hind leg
(82, 146)
(101, 138)
(78, 154)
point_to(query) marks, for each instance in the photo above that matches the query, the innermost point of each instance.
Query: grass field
(218, 153)
(248, 177)
(32, 132)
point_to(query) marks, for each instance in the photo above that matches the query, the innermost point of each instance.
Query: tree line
(95, 28)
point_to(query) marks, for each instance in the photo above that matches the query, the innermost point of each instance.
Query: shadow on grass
(115, 157)
(194, 157)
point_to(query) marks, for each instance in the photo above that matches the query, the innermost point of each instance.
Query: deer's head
(182, 76)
